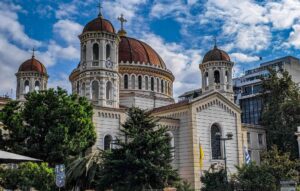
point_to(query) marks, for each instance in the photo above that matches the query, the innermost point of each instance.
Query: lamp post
(229, 136)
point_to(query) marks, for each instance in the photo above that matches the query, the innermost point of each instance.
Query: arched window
(109, 90)
(166, 87)
(95, 51)
(26, 86)
(206, 79)
(132, 82)
(107, 142)
(157, 84)
(84, 53)
(95, 90)
(83, 89)
(217, 76)
(162, 86)
(125, 81)
(107, 51)
(216, 142)
(146, 83)
(77, 87)
(37, 86)
(140, 82)
(226, 76)
(152, 84)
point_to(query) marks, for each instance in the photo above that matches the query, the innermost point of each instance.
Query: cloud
(68, 30)
(240, 57)
(294, 37)
(61, 80)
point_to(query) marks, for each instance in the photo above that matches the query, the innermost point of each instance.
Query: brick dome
(133, 50)
(216, 55)
(33, 65)
(99, 24)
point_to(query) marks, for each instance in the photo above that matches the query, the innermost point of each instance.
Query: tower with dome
(117, 71)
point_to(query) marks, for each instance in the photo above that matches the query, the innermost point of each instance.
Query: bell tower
(96, 76)
(216, 72)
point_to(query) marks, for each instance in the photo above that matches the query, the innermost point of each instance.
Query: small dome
(33, 65)
(99, 24)
(133, 50)
(216, 55)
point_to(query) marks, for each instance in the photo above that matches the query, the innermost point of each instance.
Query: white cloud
(294, 38)
(61, 80)
(68, 30)
(241, 57)
(169, 7)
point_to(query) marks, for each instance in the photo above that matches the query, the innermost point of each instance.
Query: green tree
(142, 160)
(215, 181)
(28, 175)
(50, 125)
(281, 114)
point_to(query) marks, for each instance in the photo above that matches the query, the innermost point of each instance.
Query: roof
(12, 157)
(33, 65)
(133, 50)
(216, 55)
(99, 24)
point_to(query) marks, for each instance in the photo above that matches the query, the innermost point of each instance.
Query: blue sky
(181, 31)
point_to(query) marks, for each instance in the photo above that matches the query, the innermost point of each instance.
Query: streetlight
(229, 136)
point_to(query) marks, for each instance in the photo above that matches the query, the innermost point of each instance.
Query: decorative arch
(125, 81)
(217, 76)
(95, 51)
(37, 85)
(140, 82)
(109, 91)
(26, 87)
(108, 51)
(215, 133)
(95, 90)
(146, 82)
(107, 142)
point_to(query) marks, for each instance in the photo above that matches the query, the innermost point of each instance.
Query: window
(109, 90)
(162, 86)
(84, 53)
(37, 86)
(152, 84)
(146, 83)
(26, 86)
(140, 82)
(226, 76)
(83, 89)
(157, 85)
(217, 76)
(95, 90)
(125, 81)
(107, 142)
(206, 79)
(132, 82)
(248, 138)
(95, 52)
(260, 139)
(107, 51)
(167, 87)
(216, 142)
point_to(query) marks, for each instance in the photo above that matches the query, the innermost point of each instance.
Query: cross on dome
(33, 52)
(100, 9)
(215, 41)
(122, 20)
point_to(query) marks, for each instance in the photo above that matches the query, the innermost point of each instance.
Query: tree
(50, 125)
(215, 181)
(281, 113)
(28, 175)
(142, 160)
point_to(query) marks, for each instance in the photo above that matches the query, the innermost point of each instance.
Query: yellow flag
(201, 156)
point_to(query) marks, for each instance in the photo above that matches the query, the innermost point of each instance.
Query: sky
(181, 31)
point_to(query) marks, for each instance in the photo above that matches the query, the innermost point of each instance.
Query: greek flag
(247, 155)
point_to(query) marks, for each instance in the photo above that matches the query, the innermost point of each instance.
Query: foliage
(82, 170)
(183, 186)
(28, 175)
(281, 113)
(51, 125)
(142, 160)
(214, 181)
(254, 177)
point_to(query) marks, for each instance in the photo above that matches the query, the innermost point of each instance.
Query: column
(211, 79)
(298, 138)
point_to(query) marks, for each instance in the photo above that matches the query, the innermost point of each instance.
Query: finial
(122, 20)
(33, 52)
(100, 9)
(215, 41)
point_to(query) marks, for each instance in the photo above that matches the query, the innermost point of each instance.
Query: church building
(117, 71)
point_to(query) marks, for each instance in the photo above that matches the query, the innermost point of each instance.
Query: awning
(7, 157)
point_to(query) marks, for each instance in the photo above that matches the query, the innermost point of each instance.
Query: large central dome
(133, 50)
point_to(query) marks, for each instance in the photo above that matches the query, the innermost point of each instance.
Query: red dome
(99, 24)
(33, 65)
(216, 55)
(133, 50)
